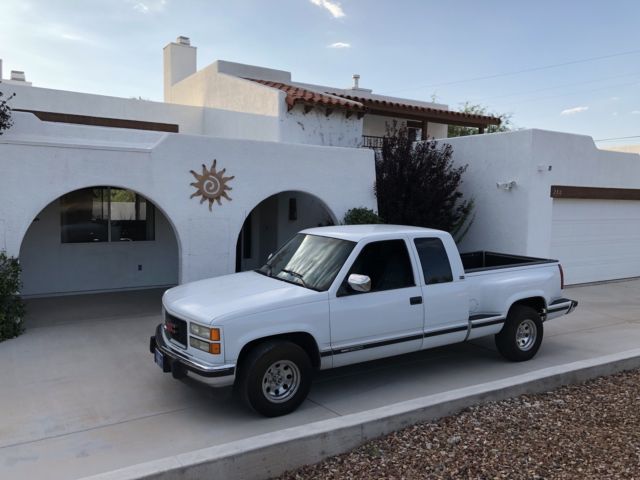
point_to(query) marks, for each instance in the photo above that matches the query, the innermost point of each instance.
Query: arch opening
(97, 239)
(273, 221)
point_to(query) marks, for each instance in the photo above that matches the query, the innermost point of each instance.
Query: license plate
(159, 358)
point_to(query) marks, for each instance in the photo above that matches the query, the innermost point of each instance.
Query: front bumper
(181, 365)
(562, 306)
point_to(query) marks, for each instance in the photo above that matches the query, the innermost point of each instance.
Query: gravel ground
(587, 431)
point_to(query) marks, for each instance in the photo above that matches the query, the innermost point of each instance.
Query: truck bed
(483, 260)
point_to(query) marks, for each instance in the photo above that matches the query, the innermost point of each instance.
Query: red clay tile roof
(301, 95)
(355, 103)
(374, 102)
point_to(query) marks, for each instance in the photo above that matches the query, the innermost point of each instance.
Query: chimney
(18, 76)
(356, 80)
(179, 60)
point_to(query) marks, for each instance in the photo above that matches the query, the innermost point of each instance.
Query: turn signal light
(214, 348)
(214, 334)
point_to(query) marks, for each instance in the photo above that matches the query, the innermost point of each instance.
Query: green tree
(417, 184)
(5, 113)
(477, 109)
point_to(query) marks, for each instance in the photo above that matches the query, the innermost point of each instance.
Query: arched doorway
(98, 239)
(273, 221)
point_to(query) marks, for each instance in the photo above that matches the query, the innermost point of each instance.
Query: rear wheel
(521, 336)
(275, 378)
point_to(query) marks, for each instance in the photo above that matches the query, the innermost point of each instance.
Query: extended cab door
(446, 300)
(388, 319)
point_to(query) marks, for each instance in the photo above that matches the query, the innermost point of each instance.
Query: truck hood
(215, 300)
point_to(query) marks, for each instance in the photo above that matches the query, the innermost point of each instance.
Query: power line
(573, 84)
(616, 138)
(525, 70)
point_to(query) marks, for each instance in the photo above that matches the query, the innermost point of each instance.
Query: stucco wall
(317, 128)
(519, 220)
(49, 266)
(188, 118)
(37, 169)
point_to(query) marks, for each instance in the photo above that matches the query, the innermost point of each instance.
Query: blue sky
(409, 48)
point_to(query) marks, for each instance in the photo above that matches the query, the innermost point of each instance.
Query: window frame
(419, 260)
(343, 289)
(107, 200)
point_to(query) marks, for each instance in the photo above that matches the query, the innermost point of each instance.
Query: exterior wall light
(506, 185)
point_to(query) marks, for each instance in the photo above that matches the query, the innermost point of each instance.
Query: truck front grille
(175, 329)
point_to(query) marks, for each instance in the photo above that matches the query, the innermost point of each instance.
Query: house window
(105, 214)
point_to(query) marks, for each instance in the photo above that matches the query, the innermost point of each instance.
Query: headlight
(213, 348)
(204, 332)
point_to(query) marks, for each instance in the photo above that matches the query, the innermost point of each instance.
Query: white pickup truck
(334, 296)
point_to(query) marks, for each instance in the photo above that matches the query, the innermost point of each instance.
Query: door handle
(415, 300)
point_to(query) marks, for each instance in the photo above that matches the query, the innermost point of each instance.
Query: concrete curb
(271, 454)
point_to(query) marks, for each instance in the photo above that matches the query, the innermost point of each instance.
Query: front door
(385, 321)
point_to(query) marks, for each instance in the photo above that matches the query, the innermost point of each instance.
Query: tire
(521, 337)
(266, 376)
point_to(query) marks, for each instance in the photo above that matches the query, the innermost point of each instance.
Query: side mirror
(360, 283)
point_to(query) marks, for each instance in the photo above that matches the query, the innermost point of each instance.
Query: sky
(564, 65)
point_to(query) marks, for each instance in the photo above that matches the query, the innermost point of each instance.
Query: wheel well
(302, 339)
(537, 303)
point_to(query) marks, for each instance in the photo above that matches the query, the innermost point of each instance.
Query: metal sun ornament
(211, 185)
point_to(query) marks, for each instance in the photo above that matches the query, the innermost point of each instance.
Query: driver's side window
(386, 263)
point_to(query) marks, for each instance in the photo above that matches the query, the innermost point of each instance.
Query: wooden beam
(448, 118)
(425, 130)
(328, 112)
(101, 121)
(594, 193)
(307, 108)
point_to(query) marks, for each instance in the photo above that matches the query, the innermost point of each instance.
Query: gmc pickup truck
(335, 296)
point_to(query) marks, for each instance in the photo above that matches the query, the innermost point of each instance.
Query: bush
(417, 184)
(361, 216)
(5, 113)
(11, 306)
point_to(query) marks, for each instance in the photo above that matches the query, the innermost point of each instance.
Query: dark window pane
(387, 263)
(84, 216)
(434, 260)
(132, 217)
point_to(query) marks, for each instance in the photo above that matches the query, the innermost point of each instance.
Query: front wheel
(521, 336)
(275, 378)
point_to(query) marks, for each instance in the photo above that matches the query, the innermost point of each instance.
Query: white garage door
(596, 239)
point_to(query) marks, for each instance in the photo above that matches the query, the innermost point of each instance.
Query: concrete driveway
(80, 394)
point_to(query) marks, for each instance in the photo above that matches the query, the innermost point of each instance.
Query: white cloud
(635, 112)
(574, 110)
(333, 7)
(614, 99)
(149, 6)
(615, 114)
(339, 45)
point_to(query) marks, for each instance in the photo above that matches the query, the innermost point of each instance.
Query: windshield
(308, 260)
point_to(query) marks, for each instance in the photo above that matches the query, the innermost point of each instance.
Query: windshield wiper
(295, 274)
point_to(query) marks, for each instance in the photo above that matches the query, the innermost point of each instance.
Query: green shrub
(11, 306)
(361, 216)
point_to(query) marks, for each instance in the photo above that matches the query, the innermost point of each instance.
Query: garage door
(596, 240)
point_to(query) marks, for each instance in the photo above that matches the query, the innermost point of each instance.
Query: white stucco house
(101, 193)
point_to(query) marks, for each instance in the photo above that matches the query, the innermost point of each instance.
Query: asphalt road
(80, 393)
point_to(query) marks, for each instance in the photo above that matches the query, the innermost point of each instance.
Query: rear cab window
(434, 260)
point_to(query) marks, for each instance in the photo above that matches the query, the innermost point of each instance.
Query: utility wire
(525, 70)
(616, 138)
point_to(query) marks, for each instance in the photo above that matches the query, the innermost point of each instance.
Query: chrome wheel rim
(526, 335)
(281, 381)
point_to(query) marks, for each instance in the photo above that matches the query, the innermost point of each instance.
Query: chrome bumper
(180, 365)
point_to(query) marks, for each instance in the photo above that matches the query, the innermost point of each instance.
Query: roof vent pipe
(356, 80)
